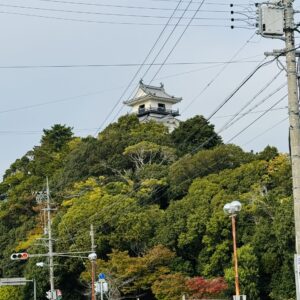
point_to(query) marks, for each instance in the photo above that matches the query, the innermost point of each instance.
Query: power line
(55, 101)
(192, 71)
(267, 130)
(121, 65)
(239, 87)
(219, 73)
(234, 92)
(165, 42)
(233, 120)
(159, 52)
(252, 112)
(255, 106)
(259, 117)
(92, 93)
(207, 3)
(140, 68)
(102, 13)
(113, 22)
(126, 6)
(39, 132)
(174, 46)
(179, 39)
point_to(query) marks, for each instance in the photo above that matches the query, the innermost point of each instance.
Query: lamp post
(232, 209)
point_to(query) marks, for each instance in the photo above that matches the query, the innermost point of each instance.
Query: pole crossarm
(280, 53)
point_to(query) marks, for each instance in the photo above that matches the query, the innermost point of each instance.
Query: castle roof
(146, 92)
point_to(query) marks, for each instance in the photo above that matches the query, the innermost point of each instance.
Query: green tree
(56, 137)
(11, 292)
(248, 273)
(203, 163)
(128, 275)
(193, 133)
(170, 287)
(120, 221)
(268, 153)
(147, 153)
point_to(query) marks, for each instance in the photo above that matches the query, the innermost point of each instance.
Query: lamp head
(237, 205)
(232, 208)
(227, 208)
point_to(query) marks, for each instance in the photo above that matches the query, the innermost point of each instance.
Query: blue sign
(101, 276)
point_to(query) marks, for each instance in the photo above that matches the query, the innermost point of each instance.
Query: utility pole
(93, 261)
(293, 103)
(50, 245)
(289, 27)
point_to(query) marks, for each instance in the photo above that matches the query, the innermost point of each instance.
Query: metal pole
(50, 245)
(101, 290)
(34, 289)
(237, 288)
(93, 247)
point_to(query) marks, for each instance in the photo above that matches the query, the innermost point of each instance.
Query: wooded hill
(156, 202)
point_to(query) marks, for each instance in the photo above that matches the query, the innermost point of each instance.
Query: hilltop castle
(153, 103)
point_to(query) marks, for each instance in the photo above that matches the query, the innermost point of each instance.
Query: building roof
(148, 91)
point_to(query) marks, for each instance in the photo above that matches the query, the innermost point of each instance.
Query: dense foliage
(156, 202)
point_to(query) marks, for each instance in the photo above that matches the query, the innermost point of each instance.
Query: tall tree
(194, 132)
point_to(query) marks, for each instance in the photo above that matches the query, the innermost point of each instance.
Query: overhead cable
(234, 120)
(179, 39)
(245, 81)
(161, 49)
(267, 130)
(259, 117)
(127, 6)
(115, 22)
(54, 101)
(102, 13)
(260, 65)
(252, 112)
(122, 65)
(214, 78)
(141, 66)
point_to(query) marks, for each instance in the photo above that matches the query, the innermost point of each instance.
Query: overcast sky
(69, 33)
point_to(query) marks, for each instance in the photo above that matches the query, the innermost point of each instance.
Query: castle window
(142, 108)
(161, 107)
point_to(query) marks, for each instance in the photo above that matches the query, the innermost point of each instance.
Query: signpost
(101, 285)
(55, 295)
(13, 281)
(18, 281)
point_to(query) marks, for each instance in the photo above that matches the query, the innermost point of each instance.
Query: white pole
(34, 289)
(101, 290)
(50, 245)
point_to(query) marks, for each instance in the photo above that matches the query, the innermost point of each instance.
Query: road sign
(54, 295)
(101, 276)
(105, 287)
(13, 281)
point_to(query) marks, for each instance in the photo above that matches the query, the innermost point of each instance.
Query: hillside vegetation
(156, 202)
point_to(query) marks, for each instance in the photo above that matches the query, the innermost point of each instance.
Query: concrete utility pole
(50, 245)
(93, 247)
(293, 102)
(289, 27)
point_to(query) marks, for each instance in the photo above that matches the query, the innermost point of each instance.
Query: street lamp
(232, 209)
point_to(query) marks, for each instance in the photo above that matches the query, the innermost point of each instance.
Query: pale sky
(96, 32)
